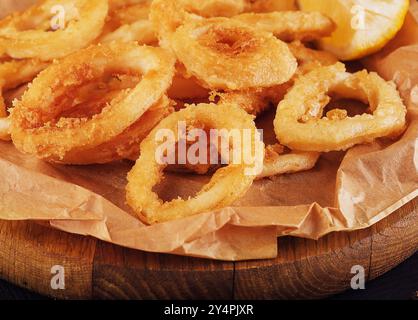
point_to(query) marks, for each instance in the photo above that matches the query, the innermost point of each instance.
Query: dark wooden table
(400, 283)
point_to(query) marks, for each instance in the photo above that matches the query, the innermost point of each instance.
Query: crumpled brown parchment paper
(344, 192)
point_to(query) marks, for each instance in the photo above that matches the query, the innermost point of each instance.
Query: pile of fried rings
(100, 88)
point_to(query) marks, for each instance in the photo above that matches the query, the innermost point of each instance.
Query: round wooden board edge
(303, 269)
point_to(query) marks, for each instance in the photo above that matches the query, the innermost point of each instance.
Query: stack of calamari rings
(102, 85)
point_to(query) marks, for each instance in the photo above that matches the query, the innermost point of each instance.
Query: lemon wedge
(363, 26)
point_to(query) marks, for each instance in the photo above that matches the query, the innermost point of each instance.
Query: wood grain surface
(304, 268)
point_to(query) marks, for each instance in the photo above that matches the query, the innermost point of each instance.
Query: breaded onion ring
(277, 162)
(147, 172)
(29, 34)
(298, 123)
(224, 54)
(38, 126)
(290, 25)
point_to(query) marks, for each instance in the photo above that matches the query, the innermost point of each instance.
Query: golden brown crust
(290, 25)
(84, 22)
(227, 184)
(37, 125)
(299, 123)
(249, 58)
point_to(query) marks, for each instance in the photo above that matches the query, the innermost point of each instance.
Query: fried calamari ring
(277, 161)
(140, 31)
(38, 126)
(298, 123)
(306, 55)
(168, 15)
(252, 101)
(125, 145)
(129, 23)
(255, 101)
(125, 15)
(91, 99)
(290, 25)
(227, 184)
(29, 34)
(14, 73)
(226, 55)
(260, 6)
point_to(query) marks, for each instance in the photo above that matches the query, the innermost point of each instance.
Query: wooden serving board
(304, 269)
